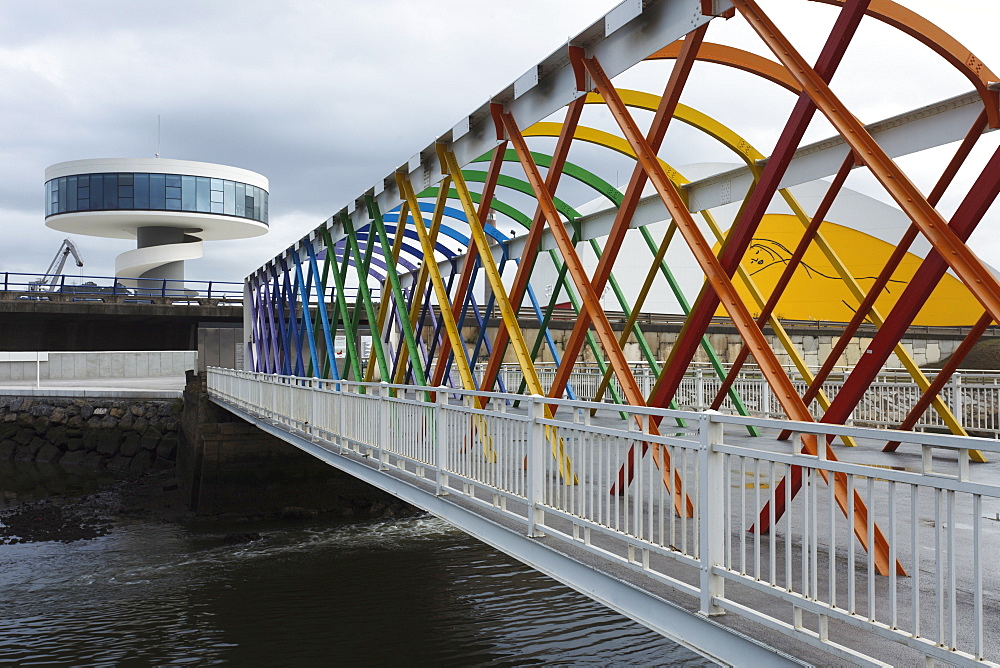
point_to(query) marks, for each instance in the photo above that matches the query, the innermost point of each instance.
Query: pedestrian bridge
(735, 545)
(744, 549)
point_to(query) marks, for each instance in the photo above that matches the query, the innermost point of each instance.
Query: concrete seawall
(90, 365)
(814, 346)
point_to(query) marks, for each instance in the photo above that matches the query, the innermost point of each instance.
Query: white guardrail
(972, 396)
(808, 578)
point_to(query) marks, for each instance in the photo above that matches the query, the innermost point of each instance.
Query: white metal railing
(972, 396)
(808, 577)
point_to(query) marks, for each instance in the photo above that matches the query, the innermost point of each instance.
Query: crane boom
(52, 274)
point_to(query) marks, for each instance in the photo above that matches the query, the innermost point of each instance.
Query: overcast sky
(326, 98)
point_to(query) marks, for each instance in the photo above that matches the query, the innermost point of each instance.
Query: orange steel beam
(942, 378)
(657, 130)
(465, 278)
(786, 275)
(718, 280)
(753, 207)
(976, 276)
(943, 44)
(592, 305)
(730, 56)
(533, 239)
(898, 253)
(423, 274)
(890, 13)
(950, 248)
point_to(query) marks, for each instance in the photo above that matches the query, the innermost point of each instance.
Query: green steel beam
(361, 265)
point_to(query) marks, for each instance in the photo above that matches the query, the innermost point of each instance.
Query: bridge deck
(774, 582)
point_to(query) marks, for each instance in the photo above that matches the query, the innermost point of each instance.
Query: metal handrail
(807, 562)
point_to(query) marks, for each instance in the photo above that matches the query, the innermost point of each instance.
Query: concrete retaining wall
(814, 348)
(84, 365)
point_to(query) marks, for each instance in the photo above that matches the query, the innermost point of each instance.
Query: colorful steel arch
(434, 263)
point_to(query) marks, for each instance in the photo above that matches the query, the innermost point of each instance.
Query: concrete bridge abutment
(228, 466)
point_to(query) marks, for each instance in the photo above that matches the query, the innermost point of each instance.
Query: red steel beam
(926, 278)
(786, 275)
(533, 239)
(978, 278)
(739, 238)
(657, 130)
(942, 378)
(720, 282)
(898, 253)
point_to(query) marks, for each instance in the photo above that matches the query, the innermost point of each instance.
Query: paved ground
(941, 539)
(169, 387)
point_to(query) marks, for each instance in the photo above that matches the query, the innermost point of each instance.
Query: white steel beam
(937, 124)
(623, 37)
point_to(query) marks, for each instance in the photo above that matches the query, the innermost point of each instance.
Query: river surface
(402, 592)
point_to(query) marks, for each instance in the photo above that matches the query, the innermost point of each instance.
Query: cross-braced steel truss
(423, 278)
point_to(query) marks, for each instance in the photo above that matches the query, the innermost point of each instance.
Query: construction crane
(50, 280)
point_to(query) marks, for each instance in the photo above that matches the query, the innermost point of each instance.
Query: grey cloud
(324, 98)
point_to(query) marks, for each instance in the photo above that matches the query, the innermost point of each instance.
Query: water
(401, 592)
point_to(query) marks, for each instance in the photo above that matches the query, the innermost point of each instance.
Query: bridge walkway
(806, 589)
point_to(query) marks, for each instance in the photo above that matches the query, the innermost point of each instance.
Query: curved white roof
(155, 166)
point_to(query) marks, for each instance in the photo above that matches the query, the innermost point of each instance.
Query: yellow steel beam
(437, 282)
(449, 165)
(441, 295)
(779, 330)
(420, 285)
(876, 317)
(637, 305)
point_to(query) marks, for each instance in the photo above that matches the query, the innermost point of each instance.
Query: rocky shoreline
(128, 438)
(70, 469)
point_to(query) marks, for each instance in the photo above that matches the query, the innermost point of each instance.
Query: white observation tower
(168, 206)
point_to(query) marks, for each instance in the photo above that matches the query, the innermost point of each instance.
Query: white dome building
(168, 206)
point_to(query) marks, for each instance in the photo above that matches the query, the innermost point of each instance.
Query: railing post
(699, 390)
(956, 396)
(274, 397)
(536, 465)
(765, 397)
(712, 510)
(383, 422)
(313, 433)
(441, 444)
